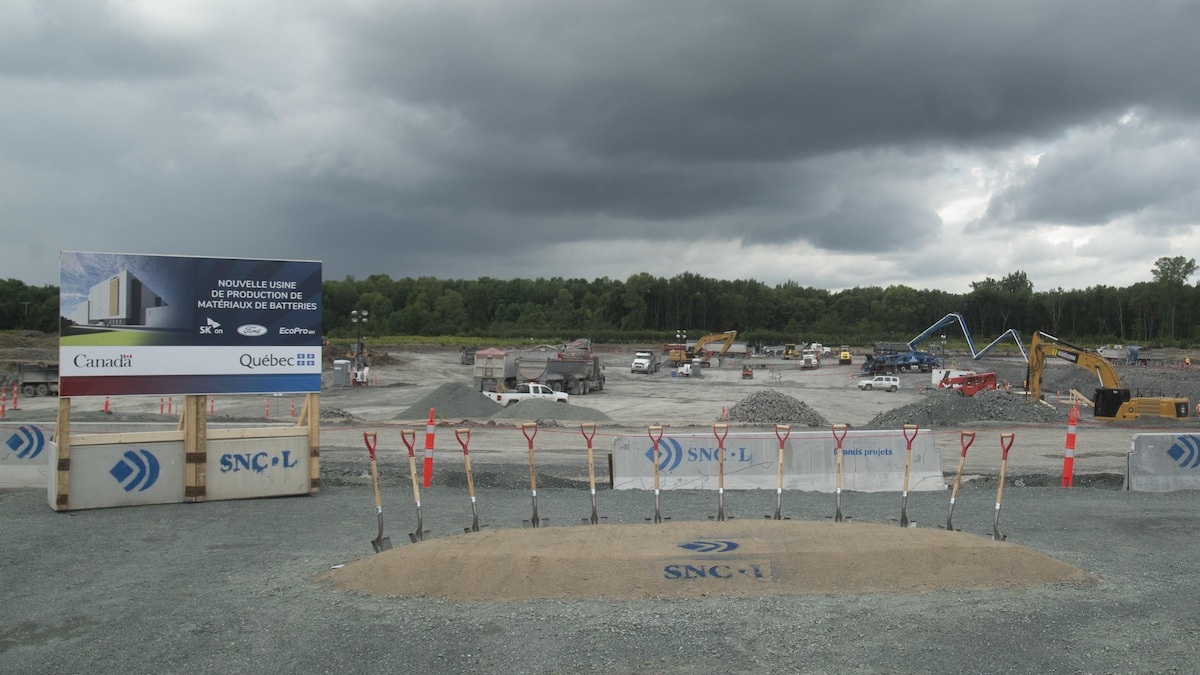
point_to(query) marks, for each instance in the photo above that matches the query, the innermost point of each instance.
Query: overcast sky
(834, 143)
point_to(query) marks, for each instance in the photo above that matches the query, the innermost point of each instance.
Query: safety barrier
(873, 461)
(1163, 463)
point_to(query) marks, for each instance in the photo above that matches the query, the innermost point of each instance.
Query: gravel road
(230, 587)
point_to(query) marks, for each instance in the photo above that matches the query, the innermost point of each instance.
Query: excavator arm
(728, 336)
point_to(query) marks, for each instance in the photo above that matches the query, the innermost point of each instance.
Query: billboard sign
(155, 325)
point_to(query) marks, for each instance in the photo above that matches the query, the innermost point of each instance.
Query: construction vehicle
(678, 356)
(790, 352)
(969, 384)
(1112, 401)
(747, 373)
(1133, 355)
(844, 358)
(466, 356)
(904, 362)
(571, 368)
(953, 317)
(644, 361)
(39, 379)
(810, 359)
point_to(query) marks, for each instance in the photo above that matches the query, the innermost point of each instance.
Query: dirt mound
(738, 558)
(945, 408)
(451, 400)
(772, 407)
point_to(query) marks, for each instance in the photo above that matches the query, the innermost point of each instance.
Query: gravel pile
(541, 409)
(772, 407)
(451, 400)
(942, 408)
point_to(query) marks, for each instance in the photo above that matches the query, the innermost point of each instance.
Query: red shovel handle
(1006, 441)
(652, 430)
(787, 431)
(525, 428)
(584, 428)
(371, 440)
(464, 438)
(720, 431)
(909, 439)
(966, 439)
(842, 428)
(409, 438)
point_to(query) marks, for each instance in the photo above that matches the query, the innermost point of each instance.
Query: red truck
(969, 385)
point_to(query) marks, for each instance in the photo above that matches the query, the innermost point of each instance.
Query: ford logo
(252, 330)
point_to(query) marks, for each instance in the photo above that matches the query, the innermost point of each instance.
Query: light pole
(359, 319)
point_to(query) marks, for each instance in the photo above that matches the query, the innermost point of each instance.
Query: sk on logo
(136, 471)
(670, 454)
(1186, 452)
(27, 442)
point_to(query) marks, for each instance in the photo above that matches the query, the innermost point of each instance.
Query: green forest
(1163, 312)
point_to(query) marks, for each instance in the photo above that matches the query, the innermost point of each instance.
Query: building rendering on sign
(122, 300)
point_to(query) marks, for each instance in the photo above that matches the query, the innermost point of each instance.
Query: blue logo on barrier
(1186, 452)
(27, 442)
(707, 546)
(143, 468)
(670, 454)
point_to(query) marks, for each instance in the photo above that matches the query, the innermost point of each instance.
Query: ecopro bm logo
(1186, 452)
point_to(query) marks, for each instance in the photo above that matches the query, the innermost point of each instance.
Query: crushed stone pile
(451, 400)
(772, 407)
(541, 409)
(942, 408)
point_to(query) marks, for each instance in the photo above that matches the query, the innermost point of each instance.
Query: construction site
(525, 536)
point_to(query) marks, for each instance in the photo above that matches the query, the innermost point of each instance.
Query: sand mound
(452, 400)
(738, 558)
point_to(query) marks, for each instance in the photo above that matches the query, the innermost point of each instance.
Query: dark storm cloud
(467, 138)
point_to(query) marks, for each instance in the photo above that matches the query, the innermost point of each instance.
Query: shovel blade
(382, 544)
(420, 535)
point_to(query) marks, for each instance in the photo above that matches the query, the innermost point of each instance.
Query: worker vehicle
(810, 359)
(571, 368)
(677, 356)
(524, 392)
(1112, 401)
(969, 384)
(844, 358)
(884, 382)
(466, 356)
(790, 352)
(39, 379)
(644, 361)
(747, 373)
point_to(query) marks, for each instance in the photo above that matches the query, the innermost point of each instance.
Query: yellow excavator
(1112, 401)
(679, 356)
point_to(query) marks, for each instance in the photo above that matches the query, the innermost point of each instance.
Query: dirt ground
(1091, 579)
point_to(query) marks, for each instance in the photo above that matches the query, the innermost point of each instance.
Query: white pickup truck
(527, 391)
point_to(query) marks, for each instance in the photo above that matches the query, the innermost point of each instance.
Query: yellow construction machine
(679, 356)
(1112, 401)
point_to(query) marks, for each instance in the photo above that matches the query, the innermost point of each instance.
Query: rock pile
(772, 407)
(943, 408)
(452, 400)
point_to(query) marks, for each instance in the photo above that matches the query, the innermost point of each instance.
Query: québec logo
(1186, 452)
(136, 471)
(211, 327)
(252, 330)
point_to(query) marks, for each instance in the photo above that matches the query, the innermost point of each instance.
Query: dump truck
(644, 361)
(39, 379)
(563, 368)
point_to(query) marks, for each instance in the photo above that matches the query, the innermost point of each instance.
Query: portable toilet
(341, 373)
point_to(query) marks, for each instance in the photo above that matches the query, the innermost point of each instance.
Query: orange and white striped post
(1069, 458)
(14, 406)
(429, 432)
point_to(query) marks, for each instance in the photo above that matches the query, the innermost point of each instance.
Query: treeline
(644, 308)
(649, 309)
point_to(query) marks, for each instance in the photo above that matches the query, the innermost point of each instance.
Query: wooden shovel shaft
(525, 429)
(721, 431)
(908, 441)
(656, 438)
(583, 429)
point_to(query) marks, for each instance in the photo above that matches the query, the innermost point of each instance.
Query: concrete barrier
(23, 450)
(872, 461)
(1163, 463)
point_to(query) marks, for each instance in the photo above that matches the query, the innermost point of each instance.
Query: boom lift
(1112, 401)
(680, 356)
